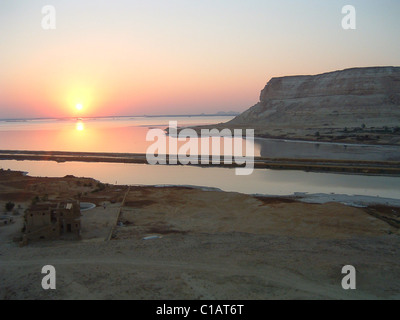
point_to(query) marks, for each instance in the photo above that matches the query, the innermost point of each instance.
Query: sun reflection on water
(80, 126)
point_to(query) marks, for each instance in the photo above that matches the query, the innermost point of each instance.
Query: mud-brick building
(53, 221)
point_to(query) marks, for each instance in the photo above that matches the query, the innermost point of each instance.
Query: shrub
(35, 200)
(9, 206)
(101, 186)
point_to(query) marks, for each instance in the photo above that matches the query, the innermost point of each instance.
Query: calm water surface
(127, 135)
(262, 181)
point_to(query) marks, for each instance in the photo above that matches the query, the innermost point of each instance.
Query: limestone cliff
(334, 102)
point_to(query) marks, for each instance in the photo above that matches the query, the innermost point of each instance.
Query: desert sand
(207, 244)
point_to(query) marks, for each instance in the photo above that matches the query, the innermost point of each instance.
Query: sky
(129, 57)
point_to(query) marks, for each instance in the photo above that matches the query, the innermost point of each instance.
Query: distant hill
(227, 113)
(352, 105)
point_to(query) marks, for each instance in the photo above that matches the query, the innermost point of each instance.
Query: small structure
(53, 221)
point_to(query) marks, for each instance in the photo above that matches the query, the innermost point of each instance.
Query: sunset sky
(127, 57)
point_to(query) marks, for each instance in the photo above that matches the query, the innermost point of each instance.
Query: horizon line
(233, 113)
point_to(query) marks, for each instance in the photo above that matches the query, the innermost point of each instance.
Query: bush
(35, 200)
(9, 206)
(100, 187)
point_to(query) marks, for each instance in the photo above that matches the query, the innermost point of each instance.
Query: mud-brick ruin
(53, 221)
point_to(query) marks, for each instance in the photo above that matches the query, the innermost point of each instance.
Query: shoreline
(352, 200)
(313, 165)
(355, 135)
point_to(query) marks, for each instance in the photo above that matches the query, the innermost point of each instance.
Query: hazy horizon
(125, 58)
(225, 113)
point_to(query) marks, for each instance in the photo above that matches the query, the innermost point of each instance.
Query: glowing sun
(79, 106)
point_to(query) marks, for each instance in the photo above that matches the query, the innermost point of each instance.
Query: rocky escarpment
(359, 103)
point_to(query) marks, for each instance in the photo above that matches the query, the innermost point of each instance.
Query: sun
(79, 106)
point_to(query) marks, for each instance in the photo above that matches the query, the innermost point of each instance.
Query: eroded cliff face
(358, 97)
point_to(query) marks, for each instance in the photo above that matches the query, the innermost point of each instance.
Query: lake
(127, 135)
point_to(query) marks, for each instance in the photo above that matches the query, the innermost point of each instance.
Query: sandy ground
(210, 245)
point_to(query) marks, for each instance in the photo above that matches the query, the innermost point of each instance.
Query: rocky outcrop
(297, 106)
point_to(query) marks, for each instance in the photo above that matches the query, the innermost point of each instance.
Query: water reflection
(271, 148)
(101, 135)
(261, 181)
(80, 126)
(128, 135)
